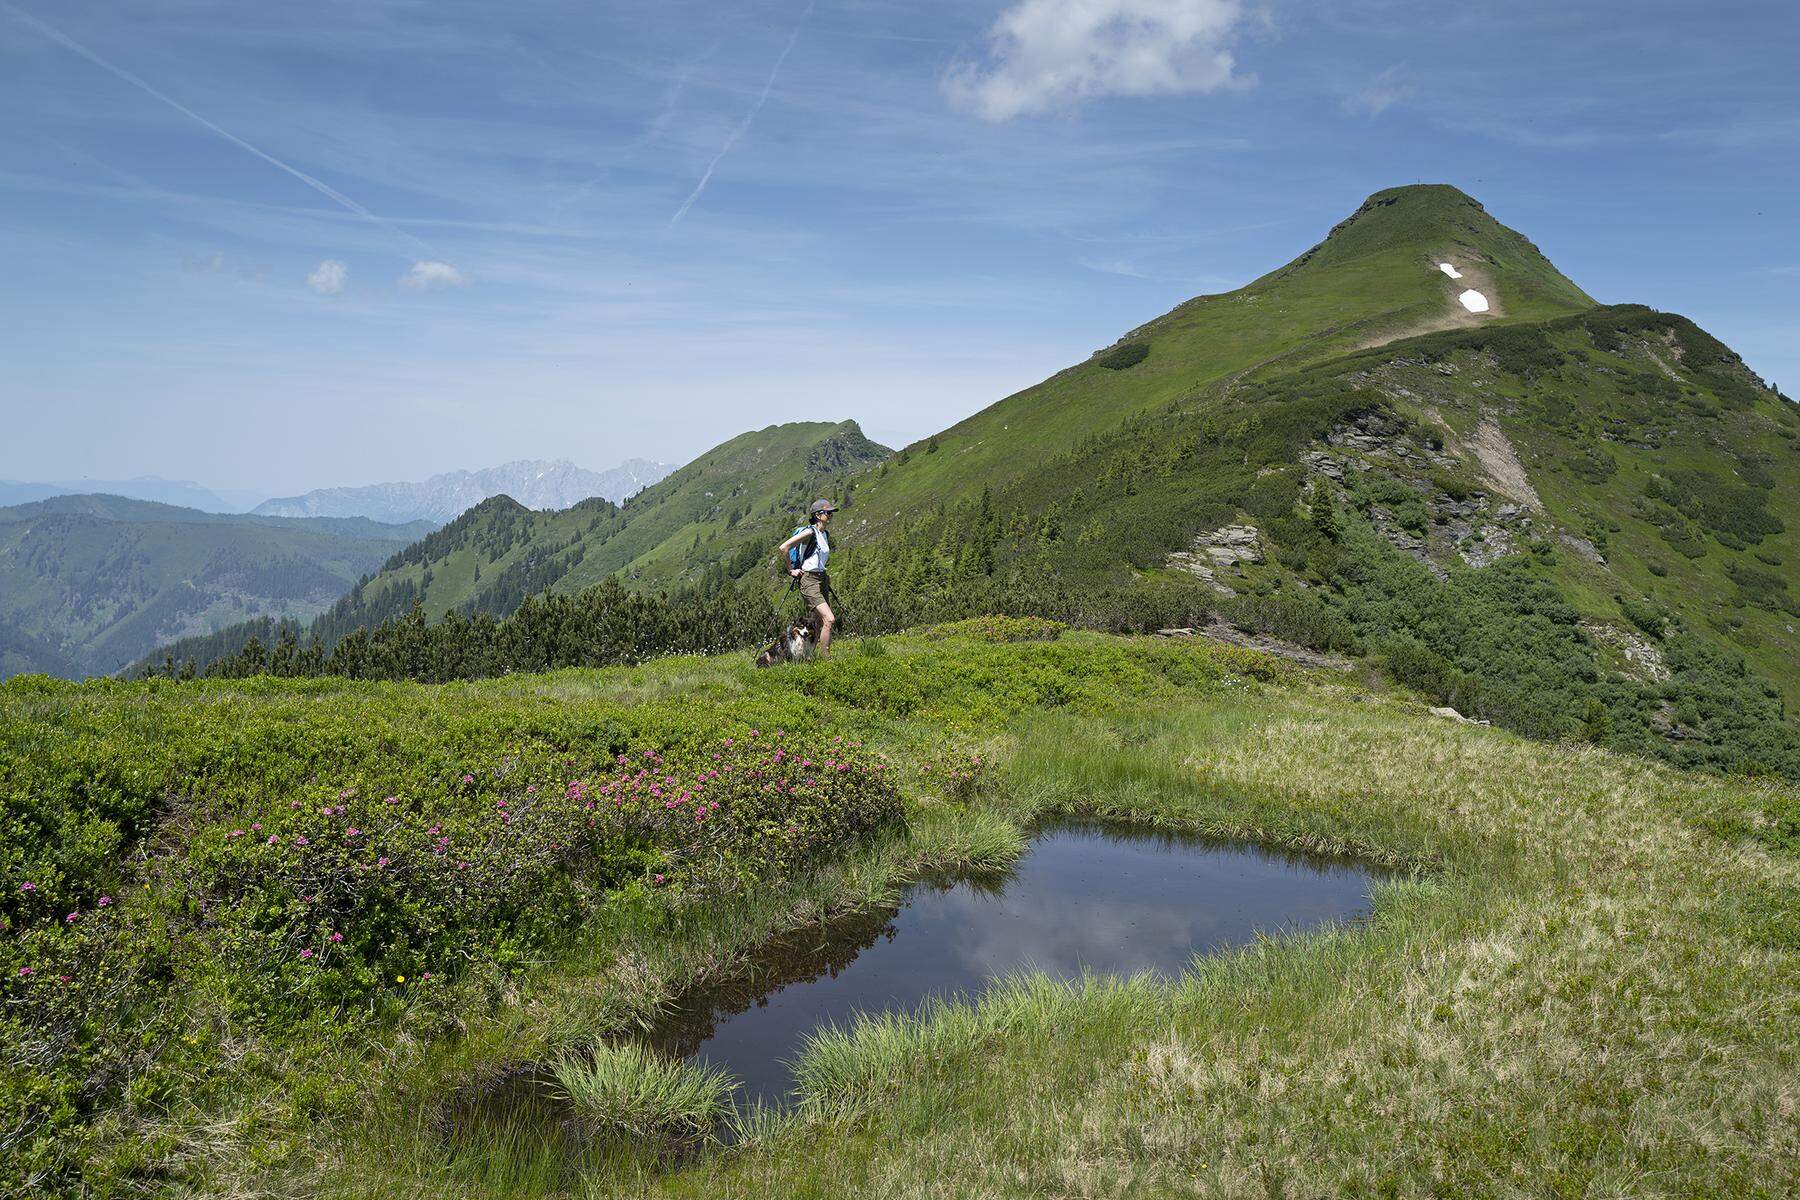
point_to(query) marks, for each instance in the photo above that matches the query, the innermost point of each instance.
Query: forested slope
(90, 583)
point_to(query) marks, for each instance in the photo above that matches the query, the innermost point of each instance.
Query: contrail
(744, 125)
(68, 43)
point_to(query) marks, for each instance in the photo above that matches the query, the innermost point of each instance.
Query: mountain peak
(1409, 207)
(1421, 225)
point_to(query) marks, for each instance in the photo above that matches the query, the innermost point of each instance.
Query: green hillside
(1570, 519)
(1372, 280)
(719, 499)
(493, 556)
(90, 583)
(1536, 523)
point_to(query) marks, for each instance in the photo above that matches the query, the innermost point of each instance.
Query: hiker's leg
(826, 620)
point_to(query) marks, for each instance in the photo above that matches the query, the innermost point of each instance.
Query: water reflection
(1084, 898)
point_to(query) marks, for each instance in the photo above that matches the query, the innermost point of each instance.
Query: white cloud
(1048, 54)
(1111, 266)
(428, 274)
(1381, 93)
(329, 277)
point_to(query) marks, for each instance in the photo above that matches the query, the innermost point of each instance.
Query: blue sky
(284, 246)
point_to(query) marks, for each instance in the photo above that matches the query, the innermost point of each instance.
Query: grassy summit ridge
(1372, 279)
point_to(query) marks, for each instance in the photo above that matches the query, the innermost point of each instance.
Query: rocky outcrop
(1328, 465)
(1474, 528)
(1227, 548)
(1583, 547)
(1382, 435)
(1486, 546)
(1639, 657)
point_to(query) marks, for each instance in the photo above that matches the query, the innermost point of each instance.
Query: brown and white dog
(796, 643)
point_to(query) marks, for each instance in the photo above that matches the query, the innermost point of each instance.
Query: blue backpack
(799, 550)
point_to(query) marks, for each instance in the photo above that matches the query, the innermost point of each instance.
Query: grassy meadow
(1579, 977)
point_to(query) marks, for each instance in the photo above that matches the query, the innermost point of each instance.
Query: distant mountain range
(183, 493)
(534, 483)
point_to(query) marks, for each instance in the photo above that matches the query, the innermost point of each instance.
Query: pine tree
(1596, 723)
(1324, 512)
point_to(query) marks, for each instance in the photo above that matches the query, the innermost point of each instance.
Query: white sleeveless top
(821, 552)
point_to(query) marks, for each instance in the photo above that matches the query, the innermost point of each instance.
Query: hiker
(807, 552)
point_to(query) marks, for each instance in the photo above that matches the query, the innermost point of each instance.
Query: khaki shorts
(813, 586)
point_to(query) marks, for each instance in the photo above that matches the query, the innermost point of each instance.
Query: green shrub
(1130, 354)
(1648, 616)
(1458, 485)
(1718, 504)
(1292, 617)
(1761, 589)
(992, 628)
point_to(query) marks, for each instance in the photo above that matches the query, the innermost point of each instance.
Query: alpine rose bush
(343, 896)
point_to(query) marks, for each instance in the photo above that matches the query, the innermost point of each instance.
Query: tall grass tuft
(842, 1068)
(630, 1088)
(756, 1124)
(974, 840)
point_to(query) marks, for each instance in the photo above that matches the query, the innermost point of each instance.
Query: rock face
(1500, 464)
(1328, 465)
(1379, 434)
(1224, 549)
(1473, 527)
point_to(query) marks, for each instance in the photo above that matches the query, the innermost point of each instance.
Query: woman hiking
(806, 554)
